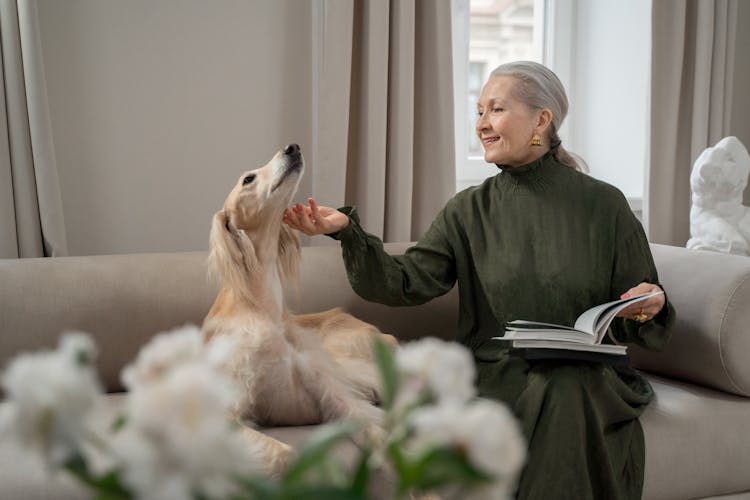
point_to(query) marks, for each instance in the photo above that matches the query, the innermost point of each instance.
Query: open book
(586, 335)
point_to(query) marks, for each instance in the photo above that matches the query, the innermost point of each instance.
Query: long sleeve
(633, 264)
(427, 270)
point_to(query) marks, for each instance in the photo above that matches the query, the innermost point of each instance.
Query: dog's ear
(231, 253)
(289, 253)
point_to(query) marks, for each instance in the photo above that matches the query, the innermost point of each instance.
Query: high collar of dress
(533, 176)
(529, 168)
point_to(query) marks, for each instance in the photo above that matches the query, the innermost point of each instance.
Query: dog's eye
(247, 180)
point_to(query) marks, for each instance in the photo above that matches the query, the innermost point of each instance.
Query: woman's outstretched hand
(645, 309)
(314, 219)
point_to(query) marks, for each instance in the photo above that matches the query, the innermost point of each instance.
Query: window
(494, 32)
(600, 49)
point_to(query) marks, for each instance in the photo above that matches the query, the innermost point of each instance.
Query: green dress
(541, 242)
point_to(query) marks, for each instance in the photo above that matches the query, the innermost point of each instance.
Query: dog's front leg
(270, 454)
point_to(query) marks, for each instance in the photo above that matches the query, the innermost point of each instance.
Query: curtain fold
(385, 113)
(31, 218)
(691, 97)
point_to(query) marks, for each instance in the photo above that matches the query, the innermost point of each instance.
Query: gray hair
(539, 88)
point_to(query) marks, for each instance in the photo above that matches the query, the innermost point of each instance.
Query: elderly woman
(540, 240)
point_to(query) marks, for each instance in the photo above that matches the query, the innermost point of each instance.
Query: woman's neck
(534, 155)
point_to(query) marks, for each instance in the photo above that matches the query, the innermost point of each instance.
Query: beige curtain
(385, 132)
(31, 220)
(691, 97)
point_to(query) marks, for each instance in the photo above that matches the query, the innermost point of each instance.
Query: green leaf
(362, 473)
(119, 423)
(399, 459)
(258, 488)
(315, 449)
(406, 469)
(445, 465)
(107, 487)
(319, 492)
(388, 373)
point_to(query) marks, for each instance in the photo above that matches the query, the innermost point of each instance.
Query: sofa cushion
(24, 476)
(695, 445)
(711, 342)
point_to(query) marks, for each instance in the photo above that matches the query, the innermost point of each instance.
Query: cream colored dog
(293, 369)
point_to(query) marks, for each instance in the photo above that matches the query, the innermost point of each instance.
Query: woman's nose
(482, 123)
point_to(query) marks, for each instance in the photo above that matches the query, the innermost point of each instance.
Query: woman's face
(505, 126)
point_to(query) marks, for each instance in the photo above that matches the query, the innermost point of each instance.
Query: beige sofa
(697, 445)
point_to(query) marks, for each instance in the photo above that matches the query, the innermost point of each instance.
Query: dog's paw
(283, 455)
(370, 436)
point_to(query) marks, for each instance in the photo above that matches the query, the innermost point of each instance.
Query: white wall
(157, 107)
(608, 114)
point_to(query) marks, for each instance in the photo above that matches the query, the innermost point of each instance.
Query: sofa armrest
(711, 342)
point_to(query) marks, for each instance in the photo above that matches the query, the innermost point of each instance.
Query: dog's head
(261, 195)
(252, 218)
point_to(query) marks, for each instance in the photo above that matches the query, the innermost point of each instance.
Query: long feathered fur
(294, 370)
(232, 257)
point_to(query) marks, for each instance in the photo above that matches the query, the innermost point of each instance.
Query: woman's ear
(543, 121)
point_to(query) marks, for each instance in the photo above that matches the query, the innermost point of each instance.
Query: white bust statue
(718, 220)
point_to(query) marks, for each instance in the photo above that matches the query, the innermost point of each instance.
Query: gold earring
(536, 140)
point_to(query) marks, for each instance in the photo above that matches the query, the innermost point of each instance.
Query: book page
(522, 324)
(552, 334)
(597, 319)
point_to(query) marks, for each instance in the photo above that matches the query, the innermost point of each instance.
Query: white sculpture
(718, 220)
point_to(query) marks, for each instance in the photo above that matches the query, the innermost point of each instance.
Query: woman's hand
(313, 219)
(645, 309)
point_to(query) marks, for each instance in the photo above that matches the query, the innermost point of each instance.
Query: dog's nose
(291, 149)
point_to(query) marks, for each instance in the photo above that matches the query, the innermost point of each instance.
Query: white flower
(444, 369)
(50, 394)
(179, 439)
(170, 349)
(484, 430)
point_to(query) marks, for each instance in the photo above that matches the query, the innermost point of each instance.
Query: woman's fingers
(314, 210)
(645, 309)
(314, 219)
(298, 219)
(302, 219)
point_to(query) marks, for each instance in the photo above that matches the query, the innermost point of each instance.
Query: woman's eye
(247, 180)
(497, 110)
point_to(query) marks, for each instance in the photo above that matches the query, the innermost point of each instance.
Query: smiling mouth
(490, 140)
(295, 166)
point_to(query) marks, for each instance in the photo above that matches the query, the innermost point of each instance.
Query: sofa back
(123, 300)
(323, 285)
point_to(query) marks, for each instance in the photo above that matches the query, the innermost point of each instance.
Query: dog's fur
(293, 369)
